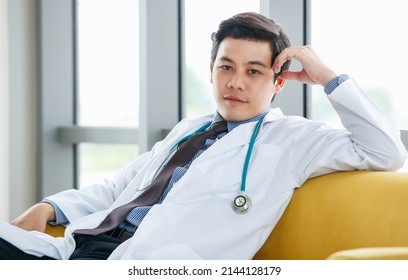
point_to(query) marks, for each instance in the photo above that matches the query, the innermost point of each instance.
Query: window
(107, 81)
(91, 95)
(201, 20)
(368, 42)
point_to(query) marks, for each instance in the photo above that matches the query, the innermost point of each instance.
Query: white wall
(22, 101)
(4, 202)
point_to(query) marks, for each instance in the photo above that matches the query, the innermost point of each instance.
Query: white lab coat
(196, 220)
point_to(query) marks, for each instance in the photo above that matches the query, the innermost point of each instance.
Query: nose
(237, 81)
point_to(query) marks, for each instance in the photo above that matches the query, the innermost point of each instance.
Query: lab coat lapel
(163, 153)
(239, 136)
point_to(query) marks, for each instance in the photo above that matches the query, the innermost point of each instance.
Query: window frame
(58, 132)
(56, 94)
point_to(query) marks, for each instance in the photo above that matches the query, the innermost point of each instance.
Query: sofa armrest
(378, 253)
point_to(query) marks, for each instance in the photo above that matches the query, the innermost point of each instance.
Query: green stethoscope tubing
(201, 129)
(248, 154)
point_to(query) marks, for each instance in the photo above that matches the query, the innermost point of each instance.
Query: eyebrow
(252, 62)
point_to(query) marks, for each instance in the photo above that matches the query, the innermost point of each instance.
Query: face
(242, 78)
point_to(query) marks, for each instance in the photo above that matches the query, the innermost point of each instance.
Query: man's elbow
(394, 161)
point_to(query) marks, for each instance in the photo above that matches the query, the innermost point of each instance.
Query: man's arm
(66, 206)
(79, 202)
(36, 217)
(371, 142)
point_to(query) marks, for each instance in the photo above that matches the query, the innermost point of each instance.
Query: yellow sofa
(343, 215)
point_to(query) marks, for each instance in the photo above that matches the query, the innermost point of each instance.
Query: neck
(234, 124)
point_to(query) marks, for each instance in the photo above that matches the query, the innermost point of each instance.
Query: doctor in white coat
(196, 219)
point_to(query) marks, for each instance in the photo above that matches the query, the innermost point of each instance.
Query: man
(224, 202)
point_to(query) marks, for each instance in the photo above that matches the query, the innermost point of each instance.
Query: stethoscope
(242, 203)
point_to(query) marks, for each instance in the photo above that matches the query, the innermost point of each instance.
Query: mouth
(235, 99)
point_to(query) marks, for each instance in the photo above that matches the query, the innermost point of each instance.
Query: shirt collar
(233, 124)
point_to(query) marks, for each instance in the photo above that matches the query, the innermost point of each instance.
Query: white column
(22, 104)
(4, 113)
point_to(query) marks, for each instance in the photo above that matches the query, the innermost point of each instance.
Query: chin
(235, 117)
(236, 114)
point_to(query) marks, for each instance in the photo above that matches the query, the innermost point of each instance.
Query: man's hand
(36, 217)
(314, 70)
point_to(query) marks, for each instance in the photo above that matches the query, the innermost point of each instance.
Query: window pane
(108, 62)
(369, 43)
(98, 162)
(108, 81)
(201, 20)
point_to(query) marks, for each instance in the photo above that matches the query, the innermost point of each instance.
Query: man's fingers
(285, 55)
(300, 76)
(290, 75)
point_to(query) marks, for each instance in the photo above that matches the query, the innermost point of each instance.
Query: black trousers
(97, 247)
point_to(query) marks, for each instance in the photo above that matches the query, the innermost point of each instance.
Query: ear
(279, 84)
(211, 71)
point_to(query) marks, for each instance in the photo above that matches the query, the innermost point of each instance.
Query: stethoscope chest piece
(241, 204)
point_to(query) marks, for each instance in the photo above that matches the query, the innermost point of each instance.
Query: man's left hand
(314, 70)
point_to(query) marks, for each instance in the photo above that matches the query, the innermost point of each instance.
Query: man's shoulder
(295, 124)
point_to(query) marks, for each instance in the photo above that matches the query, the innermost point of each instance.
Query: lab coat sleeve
(368, 142)
(90, 199)
(75, 204)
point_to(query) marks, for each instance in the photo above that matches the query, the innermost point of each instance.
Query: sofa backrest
(341, 211)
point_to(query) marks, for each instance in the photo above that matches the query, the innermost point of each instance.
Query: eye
(226, 67)
(253, 71)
